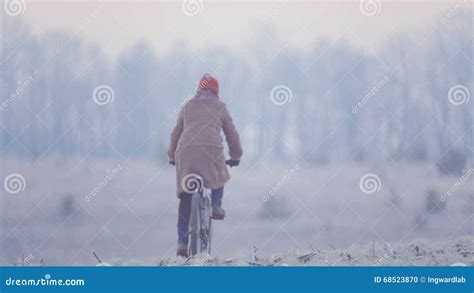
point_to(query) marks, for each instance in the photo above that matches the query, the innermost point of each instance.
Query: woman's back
(202, 121)
(196, 141)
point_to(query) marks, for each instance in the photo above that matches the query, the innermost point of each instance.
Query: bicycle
(200, 221)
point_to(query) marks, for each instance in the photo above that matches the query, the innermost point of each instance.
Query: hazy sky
(118, 24)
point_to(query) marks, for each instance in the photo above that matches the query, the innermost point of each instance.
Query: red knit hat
(209, 82)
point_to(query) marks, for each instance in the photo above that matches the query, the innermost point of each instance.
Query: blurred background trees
(346, 104)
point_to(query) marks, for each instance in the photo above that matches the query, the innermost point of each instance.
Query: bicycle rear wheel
(206, 227)
(194, 225)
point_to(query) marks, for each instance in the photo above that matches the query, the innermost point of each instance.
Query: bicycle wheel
(205, 228)
(194, 225)
(210, 237)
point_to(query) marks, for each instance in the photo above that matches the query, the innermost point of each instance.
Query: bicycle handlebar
(229, 162)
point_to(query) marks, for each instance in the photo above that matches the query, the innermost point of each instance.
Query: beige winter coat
(196, 141)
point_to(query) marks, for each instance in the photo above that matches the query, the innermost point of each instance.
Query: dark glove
(172, 163)
(232, 163)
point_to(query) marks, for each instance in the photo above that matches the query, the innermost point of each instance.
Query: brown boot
(182, 250)
(218, 213)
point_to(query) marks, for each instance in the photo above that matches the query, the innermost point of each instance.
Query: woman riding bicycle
(197, 147)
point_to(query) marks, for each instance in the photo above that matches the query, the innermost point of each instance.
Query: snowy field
(457, 252)
(126, 212)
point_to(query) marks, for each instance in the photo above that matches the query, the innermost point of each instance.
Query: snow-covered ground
(457, 252)
(126, 211)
